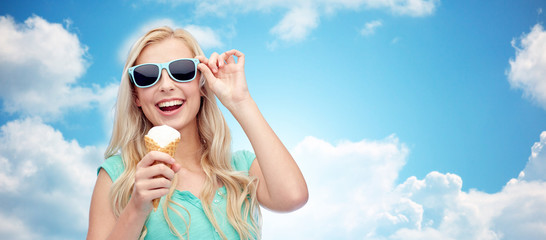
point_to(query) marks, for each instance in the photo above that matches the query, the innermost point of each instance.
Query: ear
(137, 101)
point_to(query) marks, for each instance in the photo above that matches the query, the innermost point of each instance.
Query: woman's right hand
(152, 180)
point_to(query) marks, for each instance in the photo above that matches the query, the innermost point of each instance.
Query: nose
(165, 82)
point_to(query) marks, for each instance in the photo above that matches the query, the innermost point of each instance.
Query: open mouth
(170, 106)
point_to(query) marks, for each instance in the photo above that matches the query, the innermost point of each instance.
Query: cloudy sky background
(411, 119)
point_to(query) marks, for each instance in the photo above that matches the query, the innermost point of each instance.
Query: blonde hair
(130, 126)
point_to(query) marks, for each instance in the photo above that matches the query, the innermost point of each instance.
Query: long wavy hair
(130, 126)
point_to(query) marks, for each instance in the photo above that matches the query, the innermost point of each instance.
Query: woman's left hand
(226, 77)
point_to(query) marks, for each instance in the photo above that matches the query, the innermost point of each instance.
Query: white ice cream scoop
(163, 135)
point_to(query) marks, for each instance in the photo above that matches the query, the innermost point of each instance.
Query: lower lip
(169, 113)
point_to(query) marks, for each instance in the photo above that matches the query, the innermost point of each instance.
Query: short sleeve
(113, 166)
(242, 160)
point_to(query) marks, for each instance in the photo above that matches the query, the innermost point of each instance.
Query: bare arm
(101, 217)
(283, 187)
(102, 221)
(281, 184)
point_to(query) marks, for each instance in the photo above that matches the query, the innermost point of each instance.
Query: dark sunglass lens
(182, 70)
(146, 75)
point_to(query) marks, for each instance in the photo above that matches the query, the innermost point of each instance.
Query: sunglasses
(148, 74)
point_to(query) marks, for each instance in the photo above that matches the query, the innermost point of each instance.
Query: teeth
(170, 103)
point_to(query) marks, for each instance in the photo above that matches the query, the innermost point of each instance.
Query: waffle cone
(170, 149)
(151, 145)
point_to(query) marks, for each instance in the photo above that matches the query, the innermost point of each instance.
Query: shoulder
(113, 166)
(242, 160)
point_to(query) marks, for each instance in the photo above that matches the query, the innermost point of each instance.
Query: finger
(158, 170)
(158, 183)
(162, 170)
(176, 167)
(152, 194)
(228, 57)
(148, 190)
(155, 156)
(240, 56)
(157, 193)
(213, 61)
(145, 191)
(202, 59)
(152, 184)
(221, 60)
(205, 70)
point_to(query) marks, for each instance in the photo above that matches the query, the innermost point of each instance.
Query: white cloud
(49, 182)
(353, 195)
(519, 211)
(369, 27)
(14, 228)
(39, 65)
(535, 169)
(348, 186)
(128, 43)
(414, 8)
(205, 36)
(296, 24)
(528, 69)
(303, 16)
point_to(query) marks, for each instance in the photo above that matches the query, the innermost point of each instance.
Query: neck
(189, 149)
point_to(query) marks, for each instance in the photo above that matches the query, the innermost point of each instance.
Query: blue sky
(441, 104)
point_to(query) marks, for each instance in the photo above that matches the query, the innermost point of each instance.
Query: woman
(206, 193)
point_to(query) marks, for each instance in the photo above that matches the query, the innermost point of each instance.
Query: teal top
(200, 226)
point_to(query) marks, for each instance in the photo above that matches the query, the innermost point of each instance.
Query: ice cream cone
(170, 149)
